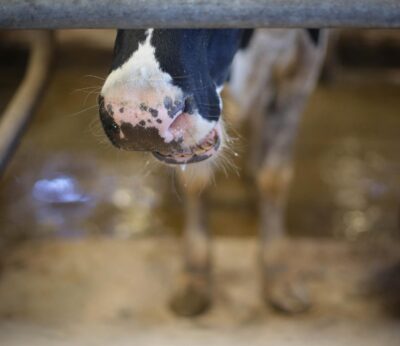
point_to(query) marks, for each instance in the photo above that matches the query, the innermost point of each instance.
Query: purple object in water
(58, 190)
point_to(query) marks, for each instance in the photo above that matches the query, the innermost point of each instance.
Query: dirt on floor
(102, 291)
(99, 268)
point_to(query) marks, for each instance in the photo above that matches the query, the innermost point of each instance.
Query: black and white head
(163, 92)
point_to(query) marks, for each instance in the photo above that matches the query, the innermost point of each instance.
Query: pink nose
(144, 128)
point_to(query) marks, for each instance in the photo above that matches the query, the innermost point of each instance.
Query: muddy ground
(115, 292)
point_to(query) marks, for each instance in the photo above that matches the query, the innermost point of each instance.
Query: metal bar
(56, 14)
(20, 109)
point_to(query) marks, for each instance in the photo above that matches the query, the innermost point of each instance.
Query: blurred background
(66, 183)
(347, 161)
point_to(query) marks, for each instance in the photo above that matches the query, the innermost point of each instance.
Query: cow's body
(163, 96)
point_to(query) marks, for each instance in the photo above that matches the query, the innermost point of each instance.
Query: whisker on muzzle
(83, 110)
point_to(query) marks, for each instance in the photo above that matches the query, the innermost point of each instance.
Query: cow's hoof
(289, 297)
(190, 302)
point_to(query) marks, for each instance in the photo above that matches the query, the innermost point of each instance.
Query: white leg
(193, 295)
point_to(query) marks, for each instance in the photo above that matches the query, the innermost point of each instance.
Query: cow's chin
(203, 150)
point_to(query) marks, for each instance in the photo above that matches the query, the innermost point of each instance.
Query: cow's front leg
(193, 295)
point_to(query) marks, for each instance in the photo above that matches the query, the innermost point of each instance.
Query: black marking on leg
(314, 35)
(121, 110)
(159, 121)
(143, 107)
(246, 38)
(142, 123)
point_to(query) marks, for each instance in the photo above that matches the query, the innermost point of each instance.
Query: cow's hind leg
(290, 86)
(282, 286)
(193, 295)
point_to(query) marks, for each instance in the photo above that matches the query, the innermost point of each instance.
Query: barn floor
(99, 270)
(103, 292)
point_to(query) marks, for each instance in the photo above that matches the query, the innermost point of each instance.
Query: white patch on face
(141, 70)
(219, 91)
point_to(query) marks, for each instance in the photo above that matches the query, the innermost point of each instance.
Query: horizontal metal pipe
(55, 14)
(21, 107)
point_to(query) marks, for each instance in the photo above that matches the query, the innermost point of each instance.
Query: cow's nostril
(112, 127)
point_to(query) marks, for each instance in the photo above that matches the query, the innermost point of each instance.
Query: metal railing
(55, 14)
(16, 116)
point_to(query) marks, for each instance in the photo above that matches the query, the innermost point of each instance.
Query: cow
(163, 96)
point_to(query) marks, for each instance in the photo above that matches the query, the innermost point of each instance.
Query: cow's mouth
(196, 153)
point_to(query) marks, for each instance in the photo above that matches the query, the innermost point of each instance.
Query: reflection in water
(72, 195)
(360, 184)
(61, 204)
(60, 189)
(67, 179)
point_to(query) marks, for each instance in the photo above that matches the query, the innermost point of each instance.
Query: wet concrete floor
(79, 205)
(101, 291)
